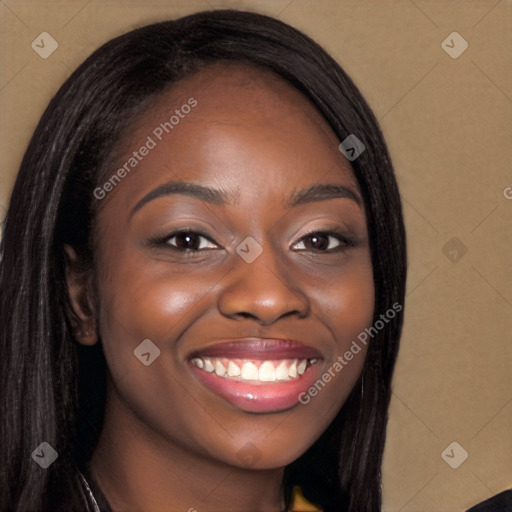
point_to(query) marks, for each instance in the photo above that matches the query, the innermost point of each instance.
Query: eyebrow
(323, 192)
(319, 192)
(206, 194)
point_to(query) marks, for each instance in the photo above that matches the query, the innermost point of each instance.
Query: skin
(168, 442)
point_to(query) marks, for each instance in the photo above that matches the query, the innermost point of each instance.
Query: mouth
(257, 375)
(256, 372)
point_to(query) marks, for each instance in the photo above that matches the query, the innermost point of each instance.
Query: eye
(186, 241)
(324, 241)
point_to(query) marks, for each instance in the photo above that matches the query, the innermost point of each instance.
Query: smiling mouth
(257, 375)
(254, 371)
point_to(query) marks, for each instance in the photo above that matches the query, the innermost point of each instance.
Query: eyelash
(163, 241)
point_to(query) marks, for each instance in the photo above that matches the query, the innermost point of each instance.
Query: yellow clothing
(300, 503)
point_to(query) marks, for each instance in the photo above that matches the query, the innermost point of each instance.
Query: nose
(261, 290)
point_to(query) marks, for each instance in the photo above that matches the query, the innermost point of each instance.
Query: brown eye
(324, 242)
(318, 242)
(189, 241)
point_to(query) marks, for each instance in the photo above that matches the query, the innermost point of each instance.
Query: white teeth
(219, 369)
(282, 372)
(249, 371)
(233, 369)
(293, 370)
(198, 362)
(262, 371)
(267, 372)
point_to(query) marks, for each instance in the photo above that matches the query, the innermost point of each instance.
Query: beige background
(448, 123)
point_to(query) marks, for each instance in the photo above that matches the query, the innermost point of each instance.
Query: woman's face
(267, 243)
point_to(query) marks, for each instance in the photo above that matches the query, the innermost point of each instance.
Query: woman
(202, 280)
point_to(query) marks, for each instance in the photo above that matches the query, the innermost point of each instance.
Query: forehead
(249, 130)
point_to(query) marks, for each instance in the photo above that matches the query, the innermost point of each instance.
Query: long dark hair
(53, 389)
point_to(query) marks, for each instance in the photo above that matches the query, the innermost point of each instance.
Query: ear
(81, 297)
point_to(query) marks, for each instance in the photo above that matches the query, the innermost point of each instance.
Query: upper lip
(259, 349)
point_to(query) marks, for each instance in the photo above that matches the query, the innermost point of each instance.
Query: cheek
(149, 304)
(345, 303)
(357, 303)
(347, 308)
(139, 302)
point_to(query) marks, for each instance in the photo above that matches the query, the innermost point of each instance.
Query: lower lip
(260, 398)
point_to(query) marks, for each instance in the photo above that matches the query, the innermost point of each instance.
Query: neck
(137, 469)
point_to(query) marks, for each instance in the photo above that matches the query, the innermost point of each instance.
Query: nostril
(245, 314)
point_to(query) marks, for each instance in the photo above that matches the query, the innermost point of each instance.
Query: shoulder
(500, 503)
